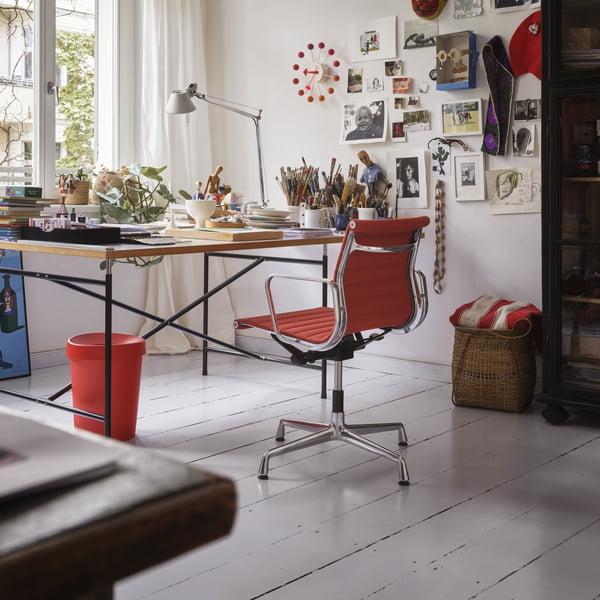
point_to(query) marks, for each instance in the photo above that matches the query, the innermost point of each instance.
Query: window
(48, 73)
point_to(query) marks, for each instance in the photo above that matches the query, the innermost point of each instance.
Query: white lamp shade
(180, 102)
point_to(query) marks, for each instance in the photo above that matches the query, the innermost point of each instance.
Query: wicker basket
(493, 368)
(80, 194)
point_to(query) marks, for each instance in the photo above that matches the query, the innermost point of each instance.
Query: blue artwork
(14, 344)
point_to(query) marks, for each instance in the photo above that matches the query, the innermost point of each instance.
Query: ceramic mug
(366, 213)
(315, 217)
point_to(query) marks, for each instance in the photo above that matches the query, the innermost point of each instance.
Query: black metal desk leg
(108, 350)
(205, 318)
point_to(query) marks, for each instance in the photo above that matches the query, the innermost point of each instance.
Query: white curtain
(171, 56)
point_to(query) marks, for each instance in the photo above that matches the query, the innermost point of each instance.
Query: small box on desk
(96, 235)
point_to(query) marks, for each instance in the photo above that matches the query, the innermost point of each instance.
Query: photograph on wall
(355, 81)
(462, 118)
(417, 120)
(463, 9)
(420, 33)
(364, 122)
(514, 191)
(499, 6)
(373, 77)
(14, 343)
(373, 40)
(401, 85)
(410, 178)
(523, 140)
(527, 110)
(393, 68)
(469, 178)
(398, 133)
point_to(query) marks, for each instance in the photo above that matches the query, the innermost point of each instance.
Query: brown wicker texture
(80, 194)
(493, 368)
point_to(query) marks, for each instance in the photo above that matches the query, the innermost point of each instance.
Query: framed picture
(469, 177)
(373, 40)
(514, 191)
(365, 122)
(462, 118)
(499, 6)
(420, 33)
(14, 343)
(408, 170)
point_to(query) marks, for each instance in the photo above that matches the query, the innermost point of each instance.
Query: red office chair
(375, 286)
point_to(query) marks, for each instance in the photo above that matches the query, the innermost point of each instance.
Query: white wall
(251, 48)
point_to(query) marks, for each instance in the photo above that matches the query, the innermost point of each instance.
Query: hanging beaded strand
(439, 265)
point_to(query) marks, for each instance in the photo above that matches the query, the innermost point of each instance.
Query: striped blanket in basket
(497, 313)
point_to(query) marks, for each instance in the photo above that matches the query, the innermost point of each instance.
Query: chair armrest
(339, 310)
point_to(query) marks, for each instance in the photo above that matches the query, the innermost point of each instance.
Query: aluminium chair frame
(339, 347)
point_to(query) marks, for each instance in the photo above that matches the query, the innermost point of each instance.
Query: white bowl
(200, 210)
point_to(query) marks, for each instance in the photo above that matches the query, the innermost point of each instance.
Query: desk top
(115, 251)
(72, 540)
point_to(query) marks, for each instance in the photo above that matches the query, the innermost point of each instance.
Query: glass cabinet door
(579, 240)
(578, 34)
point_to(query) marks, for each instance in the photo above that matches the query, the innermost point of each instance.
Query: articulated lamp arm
(180, 102)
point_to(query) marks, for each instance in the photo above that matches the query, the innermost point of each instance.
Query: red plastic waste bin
(86, 354)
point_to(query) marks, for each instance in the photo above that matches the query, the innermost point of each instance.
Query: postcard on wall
(355, 81)
(14, 343)
(420, 33)
(398, 133)
(441, 165)
(401, 85)
(408, 170)
(393, 68)
(373, 77)
(462, 118)
(523, 140)
(469, 182)
(514, 191)
(500, 6)
(373, 40)
(464, 9)
(364, 122)
(417, 120)
(527, 110)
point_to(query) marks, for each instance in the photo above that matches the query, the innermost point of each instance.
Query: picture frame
(372, 40)
(462, 118)
(500, 6)
(365, 121)
(14, 341)
(407, 171)
(469, 176)
(420, 33)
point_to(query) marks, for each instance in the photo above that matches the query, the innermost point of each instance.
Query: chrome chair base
(337, 430)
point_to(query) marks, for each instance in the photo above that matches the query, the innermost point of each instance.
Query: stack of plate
(266, 218)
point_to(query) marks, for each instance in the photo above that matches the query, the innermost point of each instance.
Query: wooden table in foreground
(76, 542)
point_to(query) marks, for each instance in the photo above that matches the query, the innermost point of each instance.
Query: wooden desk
(110, 252)
(78, 541)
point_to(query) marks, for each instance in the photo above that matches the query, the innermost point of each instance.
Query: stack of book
(17, 204)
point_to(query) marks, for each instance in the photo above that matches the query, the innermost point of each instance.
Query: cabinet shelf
(582, 299)
(582, 179)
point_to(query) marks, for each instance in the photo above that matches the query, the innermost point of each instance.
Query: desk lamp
(180, 102)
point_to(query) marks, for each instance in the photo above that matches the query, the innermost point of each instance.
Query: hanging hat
(525, 46)
(428, 9)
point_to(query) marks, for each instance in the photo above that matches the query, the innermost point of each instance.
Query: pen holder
(341, 222)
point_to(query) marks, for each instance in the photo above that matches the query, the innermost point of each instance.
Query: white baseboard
(361, 360)
(48, 359)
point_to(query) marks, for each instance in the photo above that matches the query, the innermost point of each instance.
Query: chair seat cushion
(313, 325)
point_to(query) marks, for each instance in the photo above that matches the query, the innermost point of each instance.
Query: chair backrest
(376, 272)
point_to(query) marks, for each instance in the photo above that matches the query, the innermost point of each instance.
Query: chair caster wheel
(404, 483)
(279, 439)
(402, 443)
(263, 476)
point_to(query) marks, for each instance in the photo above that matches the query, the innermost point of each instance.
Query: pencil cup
(366, 213)
(316, 217)
(341, 222)
(296, 214)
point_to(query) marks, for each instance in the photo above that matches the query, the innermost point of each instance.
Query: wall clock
(315, 73)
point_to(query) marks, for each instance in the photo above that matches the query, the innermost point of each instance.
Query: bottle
(62, 209)
(9, 321)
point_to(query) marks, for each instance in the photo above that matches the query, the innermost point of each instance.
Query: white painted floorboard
(501, 506)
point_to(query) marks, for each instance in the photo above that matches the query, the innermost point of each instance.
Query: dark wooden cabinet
(571, 206)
